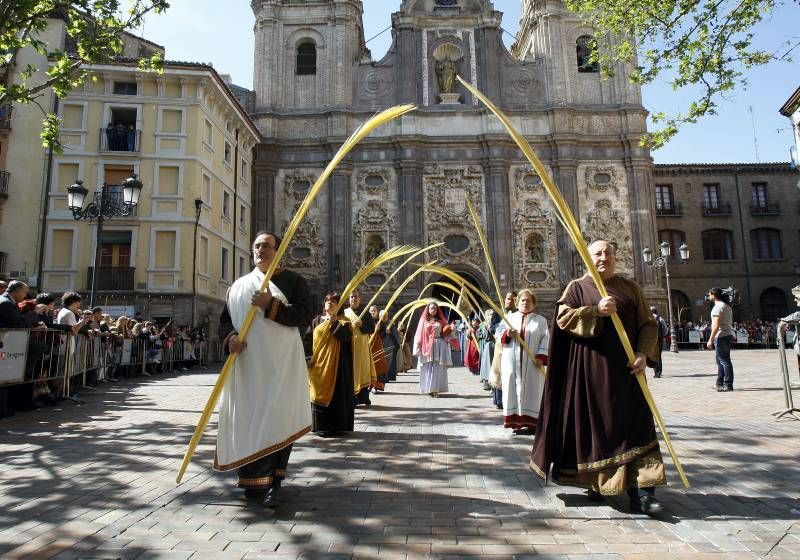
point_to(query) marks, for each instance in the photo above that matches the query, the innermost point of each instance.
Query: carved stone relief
(306, 251)
(605, 208)
(374, 222)
(447, 218)
(533, 231)
(535, 253)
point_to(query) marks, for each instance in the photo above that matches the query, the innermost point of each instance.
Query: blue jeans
(724, 365)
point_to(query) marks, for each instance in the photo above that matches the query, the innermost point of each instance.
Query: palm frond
(485, 245)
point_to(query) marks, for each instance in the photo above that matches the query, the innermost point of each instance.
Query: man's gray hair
(610, 243)
(15, 285)
(796, 291)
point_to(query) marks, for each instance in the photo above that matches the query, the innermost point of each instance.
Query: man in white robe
(264, 406)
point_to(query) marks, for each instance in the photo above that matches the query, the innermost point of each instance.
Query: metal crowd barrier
(64, 361)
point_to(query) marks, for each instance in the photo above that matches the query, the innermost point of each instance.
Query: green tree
(704, 45)
(94, 29)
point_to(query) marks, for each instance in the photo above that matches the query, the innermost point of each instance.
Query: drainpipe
(48, 176)
(744, 244)
(235, 201)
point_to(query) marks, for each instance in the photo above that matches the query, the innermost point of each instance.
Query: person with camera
(721, 337)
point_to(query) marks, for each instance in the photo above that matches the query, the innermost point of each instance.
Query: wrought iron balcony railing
(112, 278)
(672, 209)
(5, 117)
(718, 209)
(119, 139)
(770, 208)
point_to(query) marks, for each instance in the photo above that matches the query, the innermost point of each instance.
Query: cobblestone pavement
(420, 477)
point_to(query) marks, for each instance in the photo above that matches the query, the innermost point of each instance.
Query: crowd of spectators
(759, 333)
(153, 348)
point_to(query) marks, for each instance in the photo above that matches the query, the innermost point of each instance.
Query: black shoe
(657, 375)
(595, 496)
(272, 498)
(647, 505)
(255, 494)
(720, 388)
(726, 388)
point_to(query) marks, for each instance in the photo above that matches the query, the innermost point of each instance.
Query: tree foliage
(704, 45)
(94, 30)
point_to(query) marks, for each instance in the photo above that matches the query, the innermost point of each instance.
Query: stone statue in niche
(534, 247)
(374, 247)
(446, 71)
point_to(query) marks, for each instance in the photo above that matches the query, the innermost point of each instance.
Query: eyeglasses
(257, 246)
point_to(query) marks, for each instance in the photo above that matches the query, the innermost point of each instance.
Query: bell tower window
(584, 47)
(306, 59)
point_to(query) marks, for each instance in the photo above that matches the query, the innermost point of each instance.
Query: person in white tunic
(432, 350)
(523, 378)
(264, 406)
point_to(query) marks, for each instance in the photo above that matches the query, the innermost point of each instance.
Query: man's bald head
(604, 257)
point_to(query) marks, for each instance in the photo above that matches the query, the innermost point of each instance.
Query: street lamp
(106, 205)
(663, 262)
(198, 208)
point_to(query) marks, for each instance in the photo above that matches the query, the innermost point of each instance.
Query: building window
(711, 196)
(766, 244)
(584, 47)
(306, 59)
(203, 266)
(226, 204)
(773, 304)
(225, 267)
(115, 249)
(120, 133)
(664, 199)
(125, 88)
(72, 117)
(207, 190)
(242, 265)
(244, 170)
(166, 250)
(242, 218)
(675, 238)
(228, 153)
(759, 199)
(208, 133)
(718, 245)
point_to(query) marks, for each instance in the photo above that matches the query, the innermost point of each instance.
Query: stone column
(410, 222)
(641, 196)
(498, 220)
(565, 173)
(263, 212)
(340, 224)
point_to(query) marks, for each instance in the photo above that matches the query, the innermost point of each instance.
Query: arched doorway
(681, 306)
(446, 294)
(773, 304)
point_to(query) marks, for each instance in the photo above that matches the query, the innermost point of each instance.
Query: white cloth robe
(264, 404)
(523, 382)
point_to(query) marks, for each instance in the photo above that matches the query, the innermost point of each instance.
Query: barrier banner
(127, 346)
(694, 336)
(13, 351)
(742, 338)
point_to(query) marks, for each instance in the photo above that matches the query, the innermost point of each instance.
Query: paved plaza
(420, 478)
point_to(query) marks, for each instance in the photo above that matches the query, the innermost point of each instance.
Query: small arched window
(584, 47)
(306, 59)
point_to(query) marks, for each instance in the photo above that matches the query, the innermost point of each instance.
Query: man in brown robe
(595, 428)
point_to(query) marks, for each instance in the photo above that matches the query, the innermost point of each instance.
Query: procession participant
(264, 407)
(472, 355)
(405, 353)
(522, 377)
(432, 351)
(363, 367)
(378, 353)
(391, 344)
(330, 374)
(509, 306)
(486, 334)
(595, 427)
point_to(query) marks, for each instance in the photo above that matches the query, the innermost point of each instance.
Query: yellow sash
(363, 366)
(322, 370)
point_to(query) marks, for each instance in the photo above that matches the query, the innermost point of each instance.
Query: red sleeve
(542, 358)
(506, 338)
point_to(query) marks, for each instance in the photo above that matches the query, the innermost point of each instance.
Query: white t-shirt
(66, 317)
(725, 314)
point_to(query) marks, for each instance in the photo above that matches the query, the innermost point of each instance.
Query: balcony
(5, 117)
(4, 177)
(120, 139)
(112, 278)
(718, 209)
(765, 208)
(672, 209)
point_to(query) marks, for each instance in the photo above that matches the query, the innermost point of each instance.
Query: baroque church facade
(315, 82)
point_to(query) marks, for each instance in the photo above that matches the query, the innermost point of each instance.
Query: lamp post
(106, 205)
(663, 262)
(198, 208)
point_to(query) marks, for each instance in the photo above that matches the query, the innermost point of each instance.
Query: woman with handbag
(433, 350)
(522, 377)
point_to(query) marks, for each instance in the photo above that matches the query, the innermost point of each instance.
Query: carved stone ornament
(373, 181)
(602, 179)
(527, 181)
(534, 266)
(604, 222)
(306, 251)
(374, 231)
(447, 215)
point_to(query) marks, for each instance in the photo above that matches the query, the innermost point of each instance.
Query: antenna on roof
(755, 137)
